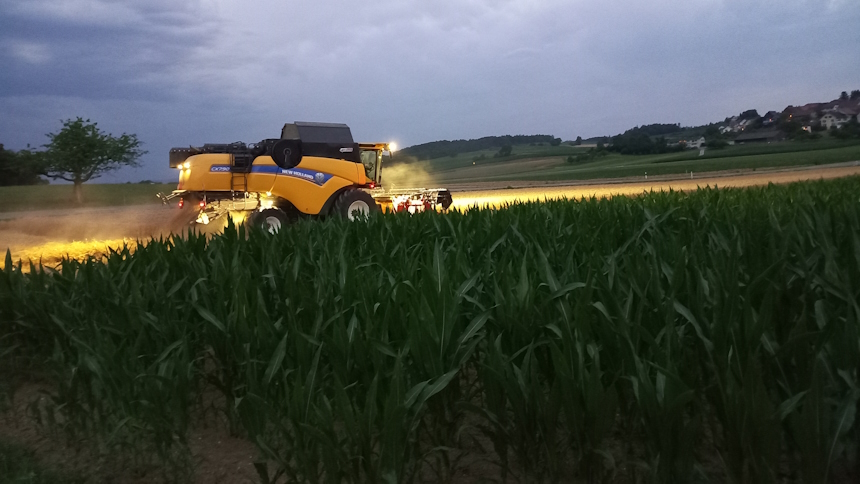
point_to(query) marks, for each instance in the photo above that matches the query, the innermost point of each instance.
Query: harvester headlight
(186, 165)
(392, 147)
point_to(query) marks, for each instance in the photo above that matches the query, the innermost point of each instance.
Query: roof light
(392, 147)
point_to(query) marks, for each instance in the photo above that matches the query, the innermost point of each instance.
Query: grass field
(540, 163)
(40, 197)
(671, 337)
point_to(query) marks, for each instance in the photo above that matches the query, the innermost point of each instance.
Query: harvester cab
(312, 170)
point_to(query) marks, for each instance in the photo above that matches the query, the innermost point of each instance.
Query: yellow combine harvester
(312, 170)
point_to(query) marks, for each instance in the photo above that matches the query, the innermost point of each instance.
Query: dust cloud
(48, 236)
(403, 175)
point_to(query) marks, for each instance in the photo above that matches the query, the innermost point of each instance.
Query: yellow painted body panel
(198, 177)
(347, 170)
(306, 195)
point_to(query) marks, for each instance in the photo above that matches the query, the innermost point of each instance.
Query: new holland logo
(315, 177)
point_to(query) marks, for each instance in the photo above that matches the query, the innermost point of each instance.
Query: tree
(843, 96)
(716, 143)
(855, 94)
(749, 114)
(505, 151)
(81, 152)
(712, 132)
(578, 141)
(555, 142)
(15, 169)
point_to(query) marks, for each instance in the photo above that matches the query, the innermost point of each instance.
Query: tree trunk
(79, 196)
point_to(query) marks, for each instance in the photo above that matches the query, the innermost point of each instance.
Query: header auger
(312, 170)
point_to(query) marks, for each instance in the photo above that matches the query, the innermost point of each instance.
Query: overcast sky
(179, 73)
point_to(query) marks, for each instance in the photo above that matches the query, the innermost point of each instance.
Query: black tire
(287, 153)
(352, 201)
(271, 220)
(444, 199)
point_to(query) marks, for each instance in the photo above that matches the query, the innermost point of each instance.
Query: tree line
(15, 169)
(443, 148)
(640, 141)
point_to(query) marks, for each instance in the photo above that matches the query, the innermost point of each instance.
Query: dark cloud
(97, 49)
(179, 73)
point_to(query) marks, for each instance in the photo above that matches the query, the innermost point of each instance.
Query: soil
(216, 456)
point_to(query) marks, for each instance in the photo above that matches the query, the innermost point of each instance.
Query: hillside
(443, 148)
(837, 118)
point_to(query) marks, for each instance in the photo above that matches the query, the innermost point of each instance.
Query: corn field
(669, 338)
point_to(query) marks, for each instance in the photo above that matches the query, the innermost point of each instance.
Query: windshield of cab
(370, 160)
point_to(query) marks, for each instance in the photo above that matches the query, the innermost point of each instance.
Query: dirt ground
(50, 235)
(499, 193)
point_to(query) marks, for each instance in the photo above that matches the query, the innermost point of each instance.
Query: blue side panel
(315, 177)
(265, 169)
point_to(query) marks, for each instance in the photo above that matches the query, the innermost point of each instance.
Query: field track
(500, 193)
(50, 235)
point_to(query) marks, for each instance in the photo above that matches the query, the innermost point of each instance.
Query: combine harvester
(312, 170)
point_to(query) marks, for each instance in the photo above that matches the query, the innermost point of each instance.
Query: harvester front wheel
(270, 220)
(353, 204)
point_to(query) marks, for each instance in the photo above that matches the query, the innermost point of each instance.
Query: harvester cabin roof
(328, 140)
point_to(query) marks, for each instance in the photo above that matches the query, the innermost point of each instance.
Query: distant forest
(439, 149)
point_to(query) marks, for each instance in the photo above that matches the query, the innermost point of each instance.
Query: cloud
(29, 52)
(119, 49)
(413, 71)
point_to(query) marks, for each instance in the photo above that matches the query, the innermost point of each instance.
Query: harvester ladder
(239, 170)
(239, 182)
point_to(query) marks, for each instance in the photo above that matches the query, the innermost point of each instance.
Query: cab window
(370, 160)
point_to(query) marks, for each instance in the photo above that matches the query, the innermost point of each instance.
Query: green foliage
(656, 129)
(80, 152)
(17, 169)
(749, 114)
(716, 322)
(445, 148)
(504, 151)
(849, 130)
(637, 142)
(717, 143)
(591, 155)
(792, 128)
